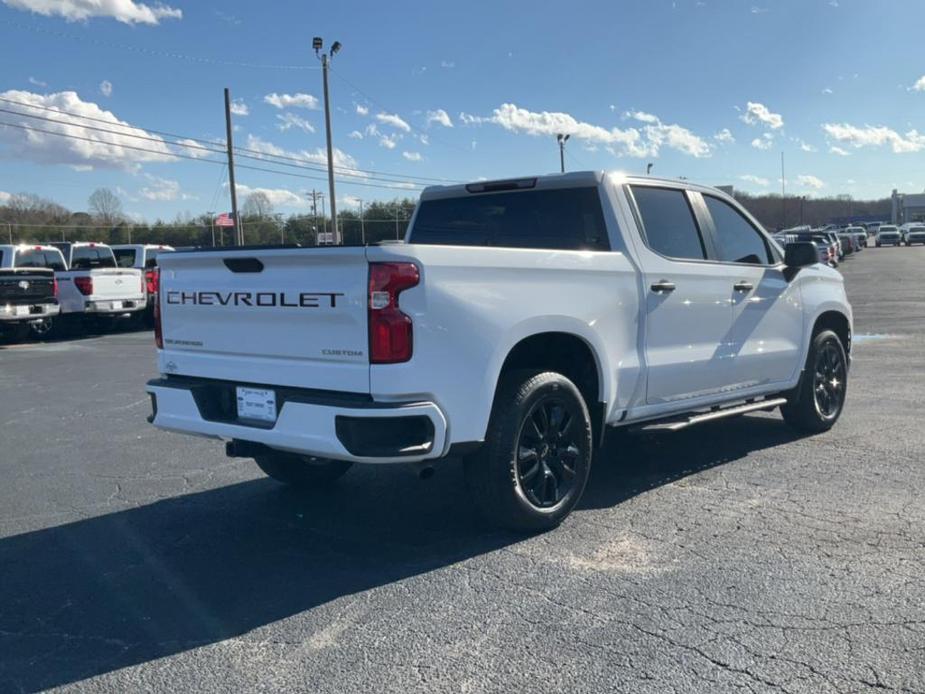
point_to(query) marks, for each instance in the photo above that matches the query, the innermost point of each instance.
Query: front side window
(668, 222)
(737, 240)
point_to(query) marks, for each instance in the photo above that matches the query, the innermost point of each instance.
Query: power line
(410, 186)
(343, 170)
(154, 52)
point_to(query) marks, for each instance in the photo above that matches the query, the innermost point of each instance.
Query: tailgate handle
(243, 264)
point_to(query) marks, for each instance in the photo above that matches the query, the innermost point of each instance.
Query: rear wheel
(42, 329)
(302, 471)
(821, 397)
(537, 455)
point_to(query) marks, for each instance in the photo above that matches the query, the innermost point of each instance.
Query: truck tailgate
(293, 317)
(111, 283)
(26, 286)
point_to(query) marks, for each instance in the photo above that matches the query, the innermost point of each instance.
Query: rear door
(688, 315)
(767, 313)
(293, 317)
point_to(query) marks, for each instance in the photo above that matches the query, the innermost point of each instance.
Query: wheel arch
(571, 355)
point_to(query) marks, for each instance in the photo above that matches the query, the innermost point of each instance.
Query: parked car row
(56, 287)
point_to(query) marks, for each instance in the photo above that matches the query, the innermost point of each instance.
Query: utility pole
(362, 225)
(314, 195)
(562, 139)
(324, 215)
(783, 193)
(317, 44)
(9, 228)
(238, 232)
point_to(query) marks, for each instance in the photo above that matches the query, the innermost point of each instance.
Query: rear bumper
(13, 314)
(323, 424)
(114, 306)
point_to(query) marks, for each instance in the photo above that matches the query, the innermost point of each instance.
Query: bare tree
(258, 205)
(106, 206)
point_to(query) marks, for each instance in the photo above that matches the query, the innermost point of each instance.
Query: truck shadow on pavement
(131, 586)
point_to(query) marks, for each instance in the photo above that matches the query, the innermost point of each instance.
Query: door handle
(743, 286)
(663, 286)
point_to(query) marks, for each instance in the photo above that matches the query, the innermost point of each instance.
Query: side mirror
(800, 254)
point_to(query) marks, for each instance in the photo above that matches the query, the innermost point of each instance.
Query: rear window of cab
(559, 219)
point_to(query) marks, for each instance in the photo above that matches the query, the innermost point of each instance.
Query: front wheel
(301, 471)
(821, 396)
(537, 455)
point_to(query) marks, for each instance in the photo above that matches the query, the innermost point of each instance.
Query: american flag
(225, 219)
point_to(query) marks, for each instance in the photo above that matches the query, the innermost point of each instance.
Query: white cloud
(163, 189)
(412, 156)
(839, 151)
(388, 141)
(355, 135)
(278, 197)
(764, 142)
(756, 113)
(298, 100)
(102, 149)
(757, 180)
(362, 110)
(440, 117)
(106, 88)
(349, 201)
(193, 148)
(342, 160)
(4, 197)
(806, 147)
(125, 11)
(425, 139)
(807, 181)
(827, 90)
(393, 120)
(875, 136)
(239, 108)
(37, 82)
(645, 141)
(449, 64)
(724, 137)
(289, 120)
(919, 85)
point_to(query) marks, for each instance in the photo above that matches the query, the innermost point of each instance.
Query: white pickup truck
(94, 287)
(518, 320)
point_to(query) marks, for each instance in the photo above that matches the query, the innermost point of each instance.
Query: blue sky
(710, 90)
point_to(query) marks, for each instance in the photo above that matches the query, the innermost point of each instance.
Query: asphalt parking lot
(732, 557)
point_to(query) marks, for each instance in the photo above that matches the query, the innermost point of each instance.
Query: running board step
(677, 425)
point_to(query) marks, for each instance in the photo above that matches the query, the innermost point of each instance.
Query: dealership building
(908, 207)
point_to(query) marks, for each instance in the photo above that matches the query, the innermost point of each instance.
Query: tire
(537, 455)
(43, 329)
(301, 471)
(820, 398)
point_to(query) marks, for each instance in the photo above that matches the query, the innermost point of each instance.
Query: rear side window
(563, 219)
(88, 257)
(40, 258)
(125, 257)
(668, 222)
(737, 241)
(151, 257)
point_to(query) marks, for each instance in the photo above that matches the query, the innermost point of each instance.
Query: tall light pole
(317, 44)
(562, 139)
(649, 168)
(229, 141)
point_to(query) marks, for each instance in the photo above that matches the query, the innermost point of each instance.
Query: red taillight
(55, 287)
(84, 285)
(151, 277)
(158, 334)
(390, 330)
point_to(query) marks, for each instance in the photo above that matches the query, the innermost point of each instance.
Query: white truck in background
(90, 286)
(518, 321)
(142, 256)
